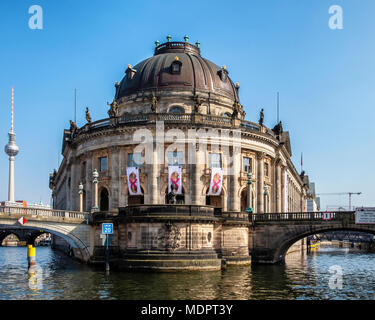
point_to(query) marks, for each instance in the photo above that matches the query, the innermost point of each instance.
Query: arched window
(227, 114)
(104, 200)
(176, 109)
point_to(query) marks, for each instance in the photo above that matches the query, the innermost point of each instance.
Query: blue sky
(325, 77)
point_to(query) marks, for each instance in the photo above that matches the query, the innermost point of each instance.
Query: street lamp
(80, 191)
(265, 198)
(249, 182)
(95, 176)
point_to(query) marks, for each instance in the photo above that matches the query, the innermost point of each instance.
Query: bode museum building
(176, 167)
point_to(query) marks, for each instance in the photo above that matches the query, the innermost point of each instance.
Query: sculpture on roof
(88, 117)
(113, 111)
(261, 117)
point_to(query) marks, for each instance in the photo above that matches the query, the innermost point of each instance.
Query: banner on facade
(133, 181)
(216, 182)
(175, 179)
(286, 208)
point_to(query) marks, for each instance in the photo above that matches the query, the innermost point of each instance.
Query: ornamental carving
(169, 237)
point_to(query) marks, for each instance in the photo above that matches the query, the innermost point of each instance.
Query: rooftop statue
(154, 102)
(198, 103)
(73, 126)
(113, 111)
(261, 117)
(236, 110)
(88, 117)
(278, 129)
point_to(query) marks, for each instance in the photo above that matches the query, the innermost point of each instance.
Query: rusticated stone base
(237, 260)
(170, 262)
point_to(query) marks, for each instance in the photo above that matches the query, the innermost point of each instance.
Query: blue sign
(107, 228)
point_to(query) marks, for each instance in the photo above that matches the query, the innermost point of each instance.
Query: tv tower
(11, 149)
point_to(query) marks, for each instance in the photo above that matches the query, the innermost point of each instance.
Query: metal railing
(41, 212)
(303, 216)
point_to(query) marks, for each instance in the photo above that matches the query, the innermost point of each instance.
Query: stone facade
(187, 105)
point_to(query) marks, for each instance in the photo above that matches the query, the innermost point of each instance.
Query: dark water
(302, 277)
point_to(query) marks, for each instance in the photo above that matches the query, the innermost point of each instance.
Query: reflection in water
(302, 277)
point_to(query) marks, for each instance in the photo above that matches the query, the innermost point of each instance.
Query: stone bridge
(273, 234)
(73, 227)
(270, 235)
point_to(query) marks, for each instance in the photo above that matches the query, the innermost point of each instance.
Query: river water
(302, 277)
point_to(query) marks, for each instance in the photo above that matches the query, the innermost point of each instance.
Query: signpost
(107, 229)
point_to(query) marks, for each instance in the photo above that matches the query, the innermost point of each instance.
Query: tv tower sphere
(11, 149)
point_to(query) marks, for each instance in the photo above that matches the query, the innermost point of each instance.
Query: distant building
(312, 202)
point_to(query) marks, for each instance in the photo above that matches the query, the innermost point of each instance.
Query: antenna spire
(278, 120)
(11, 125)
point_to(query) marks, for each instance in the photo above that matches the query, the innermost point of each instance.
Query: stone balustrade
(43, 213)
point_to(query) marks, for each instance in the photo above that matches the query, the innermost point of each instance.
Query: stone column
(80, 192)
(282, 183)
(74, 182)
(233, 189)
(95, 181)
(68, 186)
(114, 163)
(260, 183)
(278, 188)
(88, 181)
(154, 188)
(196, 183)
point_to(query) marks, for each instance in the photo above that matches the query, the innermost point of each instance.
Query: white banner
(365, 216)
(286, 207)
(132, 174)
(175, 179)
(216, 182)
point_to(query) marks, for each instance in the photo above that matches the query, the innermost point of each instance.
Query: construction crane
(341, 193)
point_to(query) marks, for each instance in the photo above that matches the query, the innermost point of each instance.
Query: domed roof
(177, 66)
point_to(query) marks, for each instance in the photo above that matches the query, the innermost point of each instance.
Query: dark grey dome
(177, 65)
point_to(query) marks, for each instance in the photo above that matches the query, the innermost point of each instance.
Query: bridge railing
(303, 216)
(41, 212)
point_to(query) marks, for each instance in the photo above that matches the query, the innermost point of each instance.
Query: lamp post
(80, 191)
(265, 198)
(249, 209)
(95, 176)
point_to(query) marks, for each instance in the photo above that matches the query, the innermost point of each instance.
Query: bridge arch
(287, 243)
(271, 240)
(6, 233)
(79, 246)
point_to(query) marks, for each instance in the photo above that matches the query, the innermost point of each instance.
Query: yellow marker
(31, 255)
